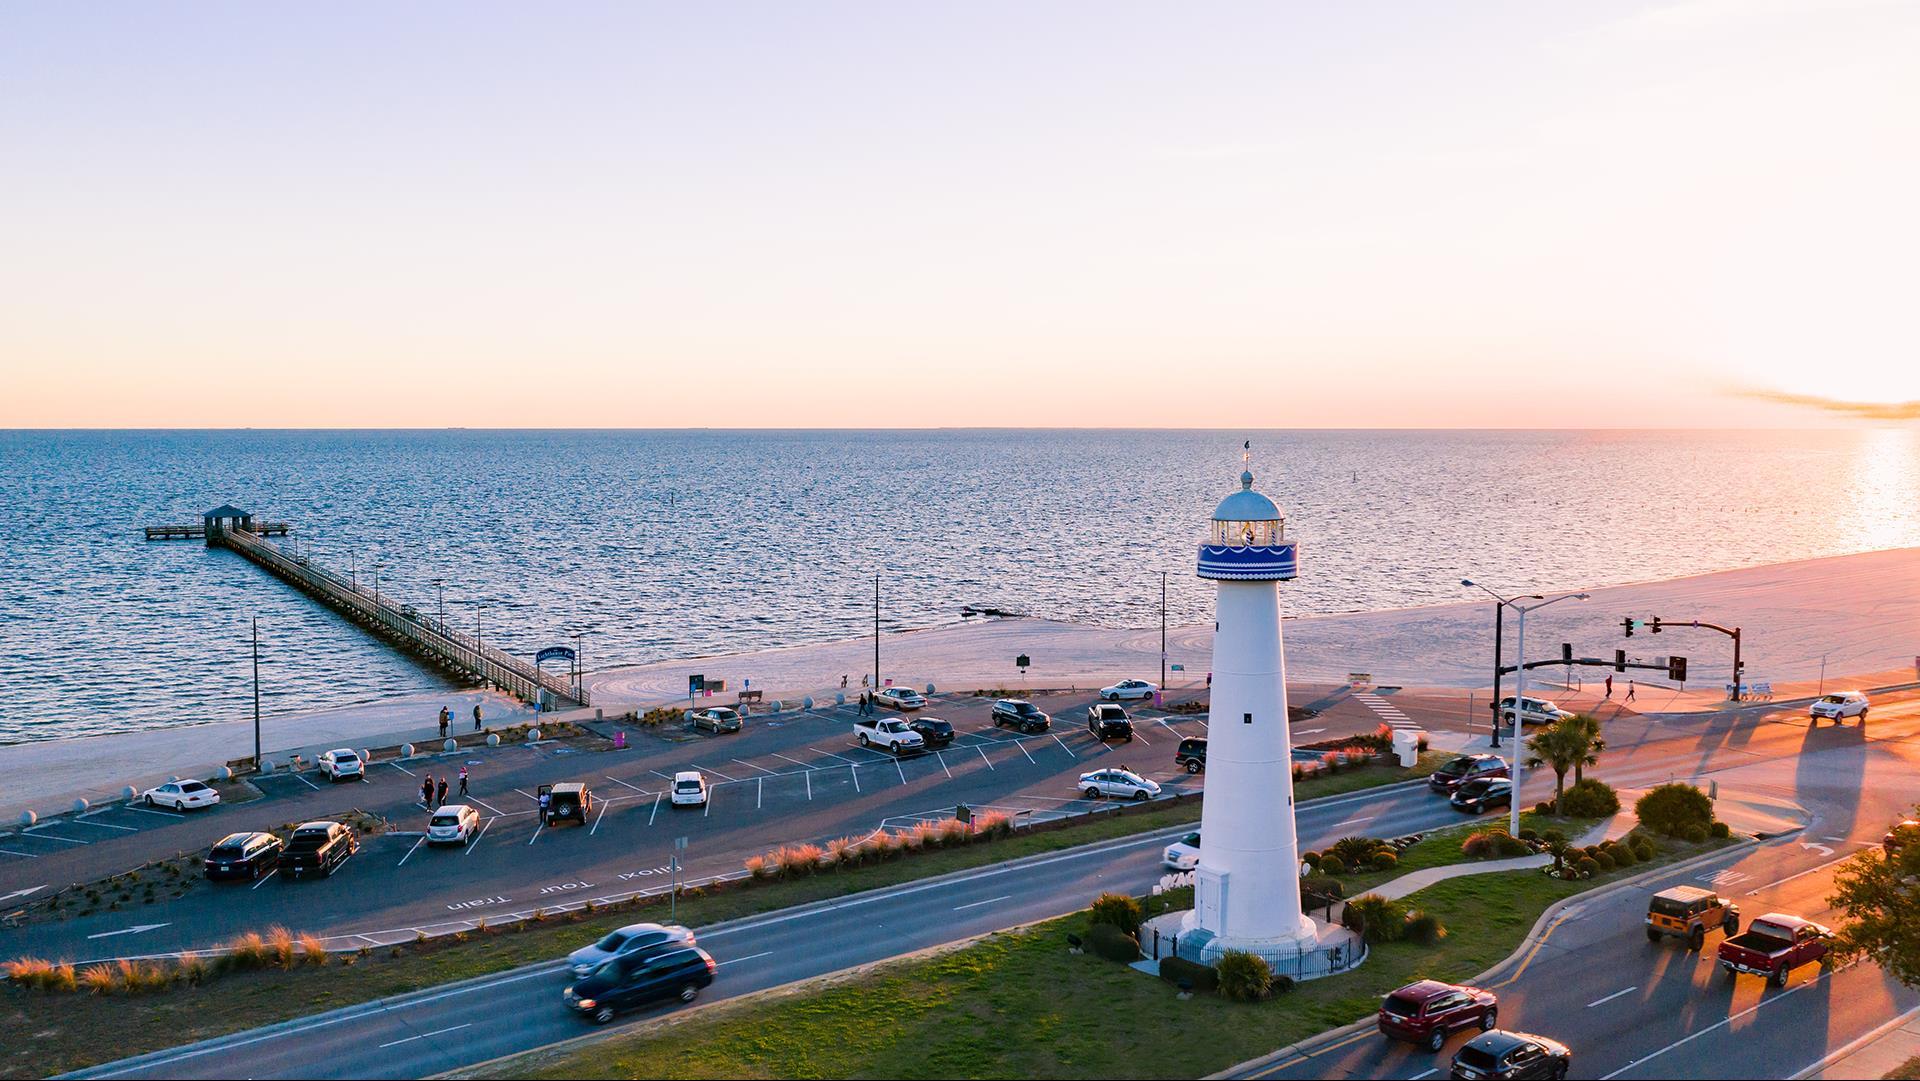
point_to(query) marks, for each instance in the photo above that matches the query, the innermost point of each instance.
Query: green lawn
(51, 1033)
(1019, 1005)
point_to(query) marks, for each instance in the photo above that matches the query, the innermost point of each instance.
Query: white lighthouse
(1247, 883)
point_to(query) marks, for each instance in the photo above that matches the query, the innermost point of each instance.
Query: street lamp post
(256, 694)
(579, 658)
(439, 585)
(1519, 681)
(1163, 631)
(876, 634)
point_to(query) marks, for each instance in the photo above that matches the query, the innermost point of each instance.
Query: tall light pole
(1519, 681)
(876, 634)
(579, 658)
(479, 657)
(256, 694)
(1163, 632)
(440, 586)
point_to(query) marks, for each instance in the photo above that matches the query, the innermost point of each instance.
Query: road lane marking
(715, 772)
(943, 764)
(264, 877)
(795, 761)
(829, 754)
(636, 788)
(749, 957)
(597, 819)
(536, 832)
(82, 821)
(487, 825)
(809, 776)
(1064, 747)
(416, 847)
(1725, 1021)
(983, 756)
(136, 929)
(1802, 874)
(902, 769)
(656, 807)
(485, 804)
(424, 1035)
(762, 769)
(1610, 998)
(988, 901)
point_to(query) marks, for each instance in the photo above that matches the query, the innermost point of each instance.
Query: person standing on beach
(440, 800)
(1631, 687)
(476, 716)
(843, 683)
(426, 791)
(463, 782)
(1609, 686)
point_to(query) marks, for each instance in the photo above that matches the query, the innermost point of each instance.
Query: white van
(1532, 711)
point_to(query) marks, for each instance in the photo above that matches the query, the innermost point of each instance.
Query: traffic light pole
(1656, 624)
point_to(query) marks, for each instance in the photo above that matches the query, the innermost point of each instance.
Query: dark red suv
(1467, 767)
(1427, 1012)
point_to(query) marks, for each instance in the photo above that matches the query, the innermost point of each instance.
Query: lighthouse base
(1321, 949)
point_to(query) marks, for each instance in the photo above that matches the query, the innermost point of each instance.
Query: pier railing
(456, 649)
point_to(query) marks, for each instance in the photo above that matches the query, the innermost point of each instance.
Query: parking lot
(784, 779)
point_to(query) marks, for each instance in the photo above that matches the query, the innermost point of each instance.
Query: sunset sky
(901, 215)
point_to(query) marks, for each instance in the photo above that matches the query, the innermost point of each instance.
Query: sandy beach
(1861, 613)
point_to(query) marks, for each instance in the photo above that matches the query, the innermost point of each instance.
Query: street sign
(696, 684)
(680, 842)
(1182, 667)
(553, 653)
(1022, 661)
(1359, 679)
(963, 814)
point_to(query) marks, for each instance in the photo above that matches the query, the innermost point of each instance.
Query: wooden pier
(400, 624)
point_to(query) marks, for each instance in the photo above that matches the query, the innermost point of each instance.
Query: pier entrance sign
(1022, 662)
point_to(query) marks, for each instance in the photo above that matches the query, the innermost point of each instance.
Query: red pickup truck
(1774, 945)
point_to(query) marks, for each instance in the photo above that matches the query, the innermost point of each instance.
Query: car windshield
(1474, 788)
(1835, 700)
(613, 941)
(1401, 1005)
(1456, 767)
(1191, 840)
(1668, 906)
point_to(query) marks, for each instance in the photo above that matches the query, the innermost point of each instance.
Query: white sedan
(181, 795)
(1182, 855)
(689, 788)
(1121, 783)
(343, 764)
(1127, 689)
(900, 698)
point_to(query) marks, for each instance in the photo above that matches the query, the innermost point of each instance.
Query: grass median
(1018, 1004)
(50, 1032)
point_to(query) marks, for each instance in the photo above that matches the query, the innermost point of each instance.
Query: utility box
(1406, 745)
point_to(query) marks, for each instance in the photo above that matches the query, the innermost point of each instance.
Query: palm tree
(1564, 746)
(1596, 744)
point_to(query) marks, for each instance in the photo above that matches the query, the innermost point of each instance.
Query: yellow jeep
(1689, 912)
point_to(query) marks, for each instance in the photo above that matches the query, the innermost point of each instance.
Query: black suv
(936, 732)
(1192, 755)
(1106, 721)
(244, 855)
(633, 979)
(318, 848)
(1020, 715)
(1515, 1055)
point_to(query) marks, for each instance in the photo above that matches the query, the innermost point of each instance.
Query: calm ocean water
(686, 543)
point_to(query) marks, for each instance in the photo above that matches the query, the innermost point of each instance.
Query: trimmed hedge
(1198, 976)
(1672, 808)
(1375, 918)
(1110, 942)
(1244, 977)
(1118, 910)
(1590, 798)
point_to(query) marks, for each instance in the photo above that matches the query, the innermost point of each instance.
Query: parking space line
(1023, 749)
(1063, 745)
(528, 794)
(762, 769)
(902, 769)
(749, 957)
(983, 756)
(656, 808)
(483, 832)
(416, 847)
(536, 832)
(795, 761)
(1141, 738)
(1610, 998)
(715, 772)
(485, 804)
(11, 852)
(264, 877)
(636, 788)
(152, 811)
(855, 771)
(708, 805)
(306, 782)
(660, 775)
(830, 754)
(82, 821)
(1168, 727)
(809, 776)
(51, 836)
(760, 793)
(943, 764)
(401, 768)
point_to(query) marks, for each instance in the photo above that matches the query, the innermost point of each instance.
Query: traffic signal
(1656, 624)
(1566, 653)
(1627, 624)
(1619, 660)
(1677, 669)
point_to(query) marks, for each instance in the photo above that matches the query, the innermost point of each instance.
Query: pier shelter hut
(224, 517)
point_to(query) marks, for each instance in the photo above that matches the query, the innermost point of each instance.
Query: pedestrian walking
(1609, 686)
(1631, 687)
(440, 800)
(426, 791)
(446, 718)
(843, 682)
(863, 681)
(476, 716)
(463, 782)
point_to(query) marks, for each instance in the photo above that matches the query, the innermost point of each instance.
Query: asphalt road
(1632, 1009)
(449, 1027)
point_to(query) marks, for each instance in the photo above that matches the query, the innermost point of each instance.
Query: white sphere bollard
(80, 806)
(226, 773)
(533, 735)
(406, 750)
(839, 698)
(493, 739)
(450, 745)
(778, 705)
(807, 703)
(929, 688)
(269, 764)
(129, 793)
(28, 818)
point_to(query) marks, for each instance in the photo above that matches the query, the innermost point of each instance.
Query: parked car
(1483, 794)
(1838, 706)
(640, 978)
(889, 733)
(1127, 689)
(1119, 782)
(718, 719)
(634, 938)
(1900, 836)
(1192, 755)
(318, 849)
(1689, 912)
(244, 855)
(689, 788)
(934, 731)
(1775, 944)
(1532, 711)
(1516, 1055)
(453, 824)
(1182, 855)
(343, 764)
(1427, 1012)
(181, 795)
(1020, 715)
(900, 698)
(1106, 720)
(568, 801)
(1467, 767)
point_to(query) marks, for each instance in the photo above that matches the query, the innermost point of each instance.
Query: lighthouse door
(1210, 898)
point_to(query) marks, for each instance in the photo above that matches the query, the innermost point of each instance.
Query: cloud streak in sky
(1863, 410)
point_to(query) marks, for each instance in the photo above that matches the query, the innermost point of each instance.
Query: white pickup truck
(890, 733)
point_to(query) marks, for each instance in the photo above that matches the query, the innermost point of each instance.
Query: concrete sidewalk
(1875, 1055)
